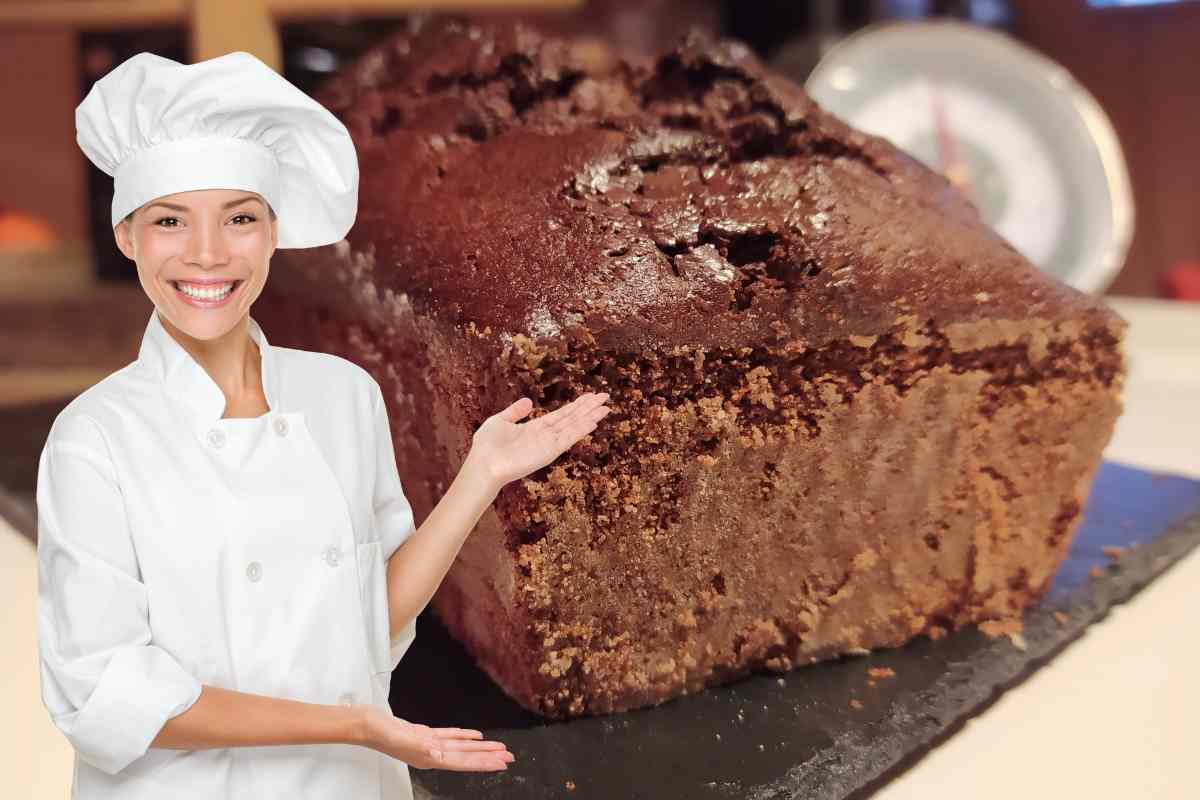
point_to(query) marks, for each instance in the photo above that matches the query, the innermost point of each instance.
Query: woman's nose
(206, 245)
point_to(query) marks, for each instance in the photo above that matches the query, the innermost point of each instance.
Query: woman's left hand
(507, 450)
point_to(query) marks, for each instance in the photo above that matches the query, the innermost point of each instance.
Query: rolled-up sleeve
(393, 513)
(107, 687)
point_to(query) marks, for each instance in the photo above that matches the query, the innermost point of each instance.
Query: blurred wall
(1143, 66)
(38, 93)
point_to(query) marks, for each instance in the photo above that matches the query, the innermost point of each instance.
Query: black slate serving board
(769, 737)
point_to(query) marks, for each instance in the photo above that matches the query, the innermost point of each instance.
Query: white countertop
(1110, 717)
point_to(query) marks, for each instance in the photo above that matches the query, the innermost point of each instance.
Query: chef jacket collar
(184, 378)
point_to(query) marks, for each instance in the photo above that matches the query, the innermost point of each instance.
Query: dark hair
(271, 211)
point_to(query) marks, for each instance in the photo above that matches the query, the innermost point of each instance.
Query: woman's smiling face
(202, 256)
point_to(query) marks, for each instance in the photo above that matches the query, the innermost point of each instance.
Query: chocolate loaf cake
(845, 413)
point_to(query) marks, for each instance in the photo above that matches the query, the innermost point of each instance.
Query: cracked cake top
(558, 188)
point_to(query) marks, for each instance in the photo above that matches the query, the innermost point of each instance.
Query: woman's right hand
(423, 747)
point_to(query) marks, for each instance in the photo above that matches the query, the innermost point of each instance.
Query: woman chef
(223, 594)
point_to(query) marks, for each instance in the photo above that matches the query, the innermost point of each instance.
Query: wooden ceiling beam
(217, 27)
(101, 14)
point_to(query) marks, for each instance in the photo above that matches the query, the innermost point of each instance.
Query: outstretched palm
(510, 450)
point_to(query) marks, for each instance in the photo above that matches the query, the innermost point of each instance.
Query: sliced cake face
(845, 413)
(763, 508)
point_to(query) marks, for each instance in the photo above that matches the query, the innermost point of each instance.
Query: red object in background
(21, 230)
(1181, 282)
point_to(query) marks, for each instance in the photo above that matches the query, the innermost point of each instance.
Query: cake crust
(538, 186)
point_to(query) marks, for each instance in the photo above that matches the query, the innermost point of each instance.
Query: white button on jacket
(177, 548)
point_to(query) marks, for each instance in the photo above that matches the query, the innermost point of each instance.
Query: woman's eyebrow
(174, 207)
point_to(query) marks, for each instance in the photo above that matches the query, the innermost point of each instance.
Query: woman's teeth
(211, 292)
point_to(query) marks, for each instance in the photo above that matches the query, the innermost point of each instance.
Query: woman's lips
(200, 302)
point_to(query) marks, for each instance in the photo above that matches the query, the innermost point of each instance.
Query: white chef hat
(160, 127)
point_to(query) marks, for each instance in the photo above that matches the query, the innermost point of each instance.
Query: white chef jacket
(177, 548)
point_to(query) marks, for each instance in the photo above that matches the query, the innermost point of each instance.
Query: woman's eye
(249, 217)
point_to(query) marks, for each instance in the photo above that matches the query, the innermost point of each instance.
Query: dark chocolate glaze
(556, 188)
